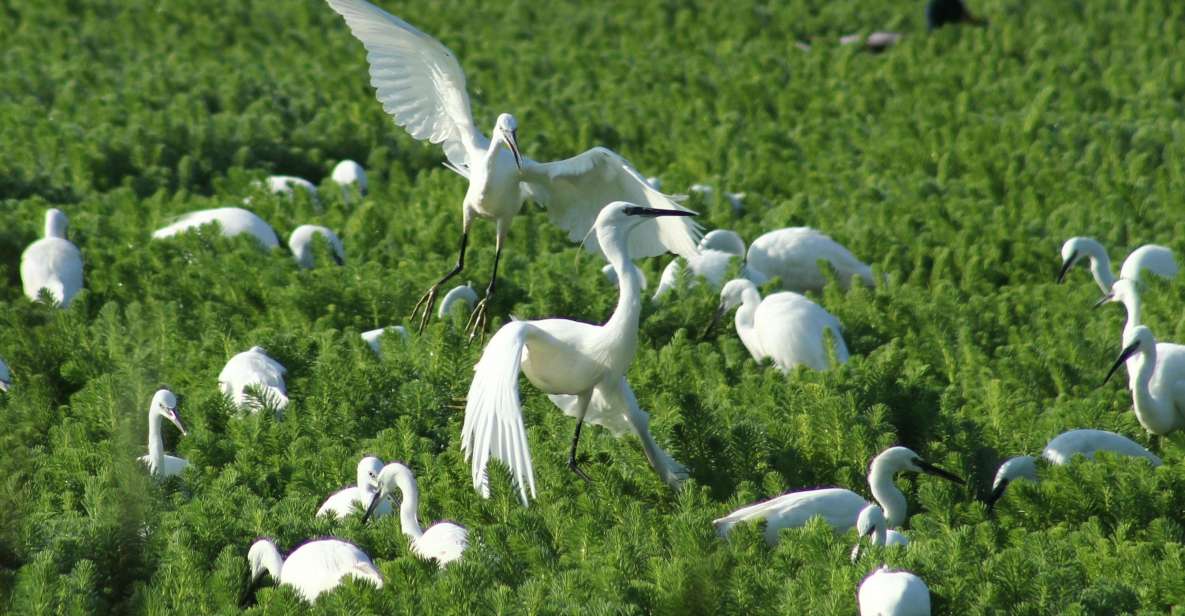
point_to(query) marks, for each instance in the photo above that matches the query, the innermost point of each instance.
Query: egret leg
(429, 299)
(583, 402)
(669, 470)
(478, 318)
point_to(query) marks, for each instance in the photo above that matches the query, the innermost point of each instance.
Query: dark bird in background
(938, 13)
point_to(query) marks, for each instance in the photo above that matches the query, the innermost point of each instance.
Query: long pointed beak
(930, 469)
(1128, 352)
(374, 503)
(995, 496)
(1104, 299)
(720, 310)
(1066, 265)
(176, 419)
(512, 143)
(856, 550)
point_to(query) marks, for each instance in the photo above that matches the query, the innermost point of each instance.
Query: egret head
(1138, 340)
(507, 131)
(903, 459)
(368, 473)
(1123, 291)
(731, 296)
(1023, 467)
(723, 240)
(55, 223)
(264, 556)
(164, 403)
(616, 220)
(394, 476)
(869, 525)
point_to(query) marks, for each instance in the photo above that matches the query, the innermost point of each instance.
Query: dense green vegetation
(956, 163)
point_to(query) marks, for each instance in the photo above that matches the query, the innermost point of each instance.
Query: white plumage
(793, 254)
(5, 377)
(52, 263)
(164, 404)
(786, 327)
(357, 497)
(443, 542)
(347, 174)
(286, 184)
(1156, 377)
(718, 249)
(893, 593)
(301, 244)
(1156, 259)
(461, 295)
(374, 337)
(253, 368)
(313, 568)
(232, 221)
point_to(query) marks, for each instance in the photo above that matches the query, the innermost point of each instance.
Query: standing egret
(374, 336)
(301, 244)
(443, 542)
(5, 377)
(1156, 259)
(838, 507)
(420, 83)
(1060, 450)
(793, 254)
(231, 221)
(1156, 379)
(164, 404)
(871, 524)
(893, 593)
(52, 263)
(786, 327)
(254, 368)
(563, 357)
(287, 184)
(342, 503)
(348, 173)
(717, 250)
(313, 568)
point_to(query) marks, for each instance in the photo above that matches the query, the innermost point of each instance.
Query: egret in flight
(343, 502)
(793, 254)
(313, 568)
(52, 263)
(1156, 380)
(1156, 259)
(443, 542)
(164, 404)
(564, 358)
(421, 84)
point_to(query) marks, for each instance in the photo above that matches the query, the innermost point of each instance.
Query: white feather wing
(318, 566)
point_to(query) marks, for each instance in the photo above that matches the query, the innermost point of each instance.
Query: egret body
(313, 568)
(1156, 380)
(793, 255)
(52, 263)
(253, 368)
(231, 221)
(443, 542)
(343, 502)
(164, 404)
(301, 244)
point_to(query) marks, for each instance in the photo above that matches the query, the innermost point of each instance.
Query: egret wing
(444, 542)
(318, 566)
(575, 189)
(416, 78)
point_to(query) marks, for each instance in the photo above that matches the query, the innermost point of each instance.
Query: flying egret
(838, 507)
(5, 377)
(254, 368)
(301, 244)
(313, 568)
(563, 357)
(793, 254)
(786, 327)
(52, 263)
(164, 404)
(231, 220)
(871, 524)
(1156, 259)
(374, 336)
(341, 503)
(1060, 450)
(348, 174)
(443, 542)
(893, 593)
(1156, 380)
(457, 296)
(422, 86)
(717, 250)
(287, 185)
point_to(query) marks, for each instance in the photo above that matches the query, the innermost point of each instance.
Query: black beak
(654, 212)
(180, 425)
(512, 142)
(1104, 299)
(1128, 352)
(248, 598)
(337, 258)
(930, 469)
(1066, 265)
(856, 551)
(374, 503)
(995, 496)
(720, 310)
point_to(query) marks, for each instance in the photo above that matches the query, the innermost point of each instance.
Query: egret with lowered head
(443, 542)
(1156, 259)
(313, 568)
(343, 502)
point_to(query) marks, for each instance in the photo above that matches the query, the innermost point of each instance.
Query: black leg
(477, 320)
(572, 454)
(429, 299)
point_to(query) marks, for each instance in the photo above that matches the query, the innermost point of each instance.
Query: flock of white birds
(604, 203)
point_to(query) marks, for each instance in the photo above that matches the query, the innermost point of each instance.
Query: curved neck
(891, 499)
(1100, 268)
(156, 445)
(409, 519)
(623, 323)
(1155, 414)
(881, 535)
(745, 322)
(272, 561)
(1131, 302)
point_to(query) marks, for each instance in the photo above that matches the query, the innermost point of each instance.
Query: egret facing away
(1060, 450)
(343, 502)
(231, 221)
(313, 568)
(254, 368)
(1156, 379)
(52, 263)
(5, 377)
(287, 184)
(164, 404)
(793, 254)
(564, 357)
(461, 295)
(443, 542)
(374, 336)
(301, 244)
(717, 250)
(349, 174)
(1156, 259)
(893, 593)
(786, 327)
(838, 507)
(871, 525)
(422, 86)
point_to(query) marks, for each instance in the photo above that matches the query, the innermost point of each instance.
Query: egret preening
(893, 593)
(254, 368)
(231, 221)
(374, 336)
(164, 404)
(348, 174)
(1156, 379)
(457, 296)
(717, 250)
(5, 377)
(563, 357)
(838, 507)
(313, 568)
(786, 327)
(1060, 450)
(301, 244)
(871, 524)
(443, 542)
(1156, 259)
(793, 254)
(343, 502)
(422, 86)
(286, 184)
(52, 263)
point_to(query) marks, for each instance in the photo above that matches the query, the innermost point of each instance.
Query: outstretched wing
(574, 191)
(416, 78)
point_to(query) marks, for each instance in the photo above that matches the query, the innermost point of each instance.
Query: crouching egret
(287, 185)
(838, 507)
(301, 244)
(164, 404)
(793, 254)
(422, 86)
(52, 263)
(717, 250)
(374, 336)
(893, 593)
(313, 568)
(871, 524)
(443, 542)
(1156, 259)
(1060, 450)
(5, 377)
(231, 221)
(460, 295)
(341, 504)
(1156, 379)
(786, 327)
(254, 368)
(348, 174)
(559, 357)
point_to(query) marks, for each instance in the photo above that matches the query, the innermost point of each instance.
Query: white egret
(5, 377)
(52, 263)
(1060, 450)
(164, 404)
(793, 254)
(422, 86)
(1127, 292)
(342, 503)
(786, 327)
(1156, 380)
(313, 568)
(301, 244)
(563, 357)
(374, 336)
(231, 221)
(717, 250)
(457, 296)
(893, 593)
(1156, 259)
(443, 542)
(348, 174)
(287, 184)
(611, 276)
(871, 524)
(838, 507)
(254, 368)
